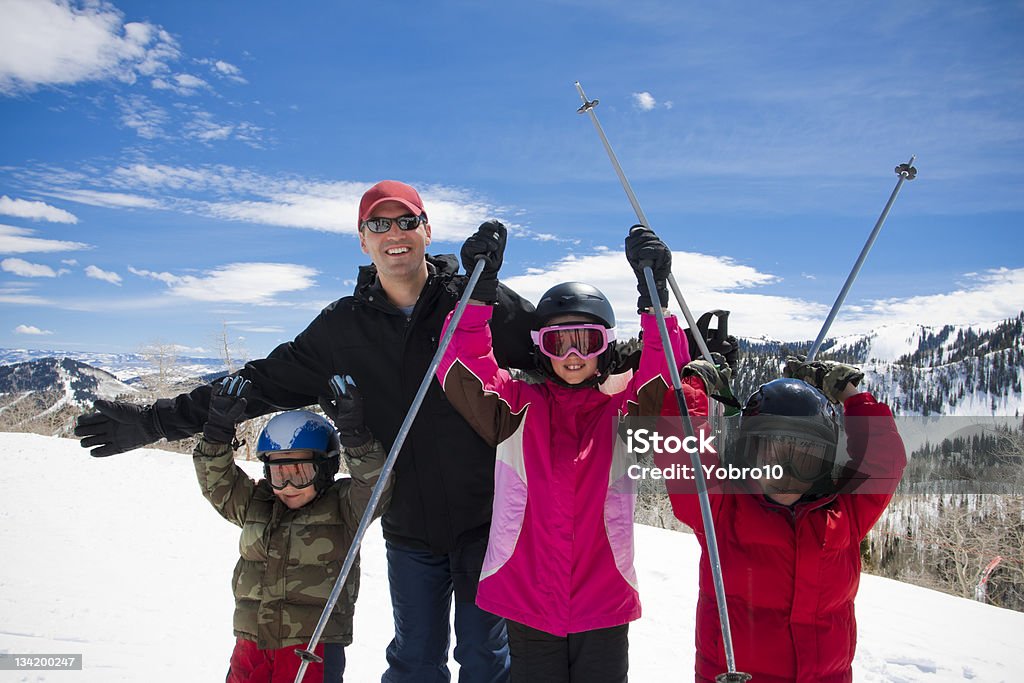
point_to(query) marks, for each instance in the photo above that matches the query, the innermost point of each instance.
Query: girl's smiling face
(572, 369)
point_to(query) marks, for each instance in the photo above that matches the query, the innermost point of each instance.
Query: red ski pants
(249, 664)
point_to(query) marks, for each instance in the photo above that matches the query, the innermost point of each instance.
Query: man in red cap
(384, 336)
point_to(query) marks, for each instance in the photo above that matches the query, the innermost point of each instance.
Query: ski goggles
(805, 460)
(586, 340)
(299, 473)
(381, 224)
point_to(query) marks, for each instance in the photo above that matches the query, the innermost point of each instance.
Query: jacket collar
(367, 283)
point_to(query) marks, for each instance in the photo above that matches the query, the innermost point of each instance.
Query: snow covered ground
(122, 560)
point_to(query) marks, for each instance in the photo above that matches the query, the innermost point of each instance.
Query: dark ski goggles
(805, 460)
(381, 225)
(586, 340)
(297, 472)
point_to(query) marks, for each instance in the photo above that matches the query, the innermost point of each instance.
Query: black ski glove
(487, 243)
(644, 248)
(718, 340)
(830, 377)
(345, 409)
(227, 409)
(117, 427)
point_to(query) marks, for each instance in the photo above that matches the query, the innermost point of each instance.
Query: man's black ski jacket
(444, 475)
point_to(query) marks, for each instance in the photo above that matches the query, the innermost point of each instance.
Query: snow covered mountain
(953, 370)
(121, 560)
(126, 367)
(77, 382)
(44, 395)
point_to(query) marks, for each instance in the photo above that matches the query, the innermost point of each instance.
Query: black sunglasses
(409, 222)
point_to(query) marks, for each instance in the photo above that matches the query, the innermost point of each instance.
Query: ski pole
(588, 108)
(702, 488)
(308, 655)
(905, 172)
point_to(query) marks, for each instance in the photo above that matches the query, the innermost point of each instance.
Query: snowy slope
(122, 560)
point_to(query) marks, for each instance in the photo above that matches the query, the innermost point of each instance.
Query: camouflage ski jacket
(290, 559)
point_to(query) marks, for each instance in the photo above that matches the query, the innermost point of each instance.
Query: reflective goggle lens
(587, 341)
(805, 460)
(298, 473)
(409, 222)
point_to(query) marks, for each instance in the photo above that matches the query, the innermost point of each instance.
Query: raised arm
(223, 483)
(482, 392)
(364, 454)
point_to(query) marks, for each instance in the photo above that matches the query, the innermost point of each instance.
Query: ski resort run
(121, 560)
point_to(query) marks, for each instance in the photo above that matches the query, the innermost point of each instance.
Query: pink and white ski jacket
(560, 553)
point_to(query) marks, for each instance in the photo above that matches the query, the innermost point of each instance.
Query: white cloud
(141, 115)
(709, 282)
(263, 330)
(644, 101)
(242, 195)
(166, 278)
(224, 69)
(20, 241)
(23, 268)
(245, 283)
(30, 329)
(703, 280)
(113, 200)
(69, 262)
(23, 208)
(992, 295)
(62, 42)
(202, 127)
(11, 295)
(182, 84)
(100, 274)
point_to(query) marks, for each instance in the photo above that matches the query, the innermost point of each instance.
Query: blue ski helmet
(303, 430)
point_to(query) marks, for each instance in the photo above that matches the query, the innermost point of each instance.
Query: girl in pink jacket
(559, 562)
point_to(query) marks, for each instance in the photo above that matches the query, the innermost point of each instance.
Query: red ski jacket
(791, 574)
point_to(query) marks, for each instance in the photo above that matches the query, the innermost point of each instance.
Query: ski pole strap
(378, 490)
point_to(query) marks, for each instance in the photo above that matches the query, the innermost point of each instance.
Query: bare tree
(164, 356)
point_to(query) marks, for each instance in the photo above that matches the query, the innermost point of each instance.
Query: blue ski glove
(487, 243)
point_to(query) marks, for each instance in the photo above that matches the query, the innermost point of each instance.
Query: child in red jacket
(789, 540)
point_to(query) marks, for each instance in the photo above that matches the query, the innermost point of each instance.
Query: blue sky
(169, 169)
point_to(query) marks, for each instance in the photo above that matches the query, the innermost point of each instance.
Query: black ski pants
(598, 656)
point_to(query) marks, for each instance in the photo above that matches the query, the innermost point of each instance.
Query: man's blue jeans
(422, 585)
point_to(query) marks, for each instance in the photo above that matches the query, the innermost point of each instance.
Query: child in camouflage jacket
(297, 526)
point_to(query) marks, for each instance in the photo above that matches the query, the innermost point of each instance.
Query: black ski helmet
(789, 407)
(576, 298)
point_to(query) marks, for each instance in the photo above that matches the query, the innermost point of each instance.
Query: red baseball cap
(389, 191)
